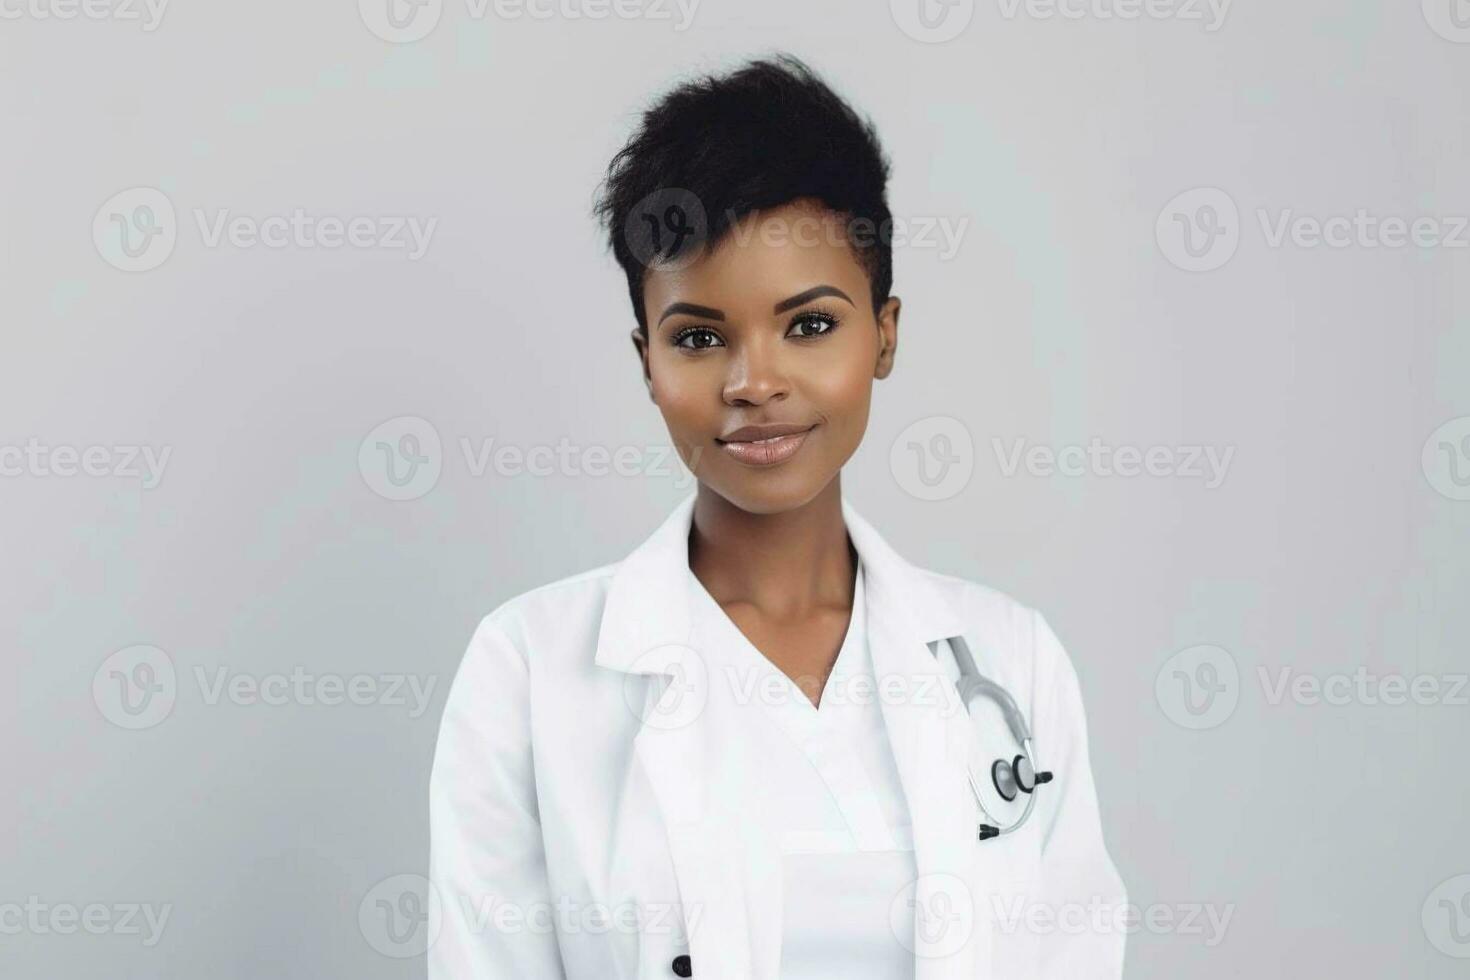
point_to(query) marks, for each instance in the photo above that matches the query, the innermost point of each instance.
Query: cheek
(683, 397)
(843, 399)
(846, 394)
(684, 419)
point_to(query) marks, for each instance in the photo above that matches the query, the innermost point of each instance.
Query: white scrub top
(828, 778)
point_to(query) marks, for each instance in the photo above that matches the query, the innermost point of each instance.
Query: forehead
(766, 257)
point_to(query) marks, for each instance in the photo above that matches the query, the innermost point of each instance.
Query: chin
(772, 492)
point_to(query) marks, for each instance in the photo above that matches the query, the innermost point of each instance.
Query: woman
(740, 751)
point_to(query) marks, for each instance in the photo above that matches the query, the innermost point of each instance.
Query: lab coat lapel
(645, 633)
(926, 748)
(701, 844)
(929, 735)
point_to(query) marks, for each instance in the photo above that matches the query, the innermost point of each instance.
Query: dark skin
(776, 327)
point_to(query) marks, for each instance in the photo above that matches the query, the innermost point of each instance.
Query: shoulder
(1013, 637)
(985, 608)
(555, 606)
(532, 630)
(978, 601)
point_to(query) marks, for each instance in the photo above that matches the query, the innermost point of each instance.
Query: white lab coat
(575, 794)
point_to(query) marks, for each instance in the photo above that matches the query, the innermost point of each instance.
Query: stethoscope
(1010, 777)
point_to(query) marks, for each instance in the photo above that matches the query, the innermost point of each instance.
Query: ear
(887, 336)
(640, 343)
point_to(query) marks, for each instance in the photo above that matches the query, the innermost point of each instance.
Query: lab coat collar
(734, 878)
(646, 607)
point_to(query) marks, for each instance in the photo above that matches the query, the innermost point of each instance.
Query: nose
(756, 373)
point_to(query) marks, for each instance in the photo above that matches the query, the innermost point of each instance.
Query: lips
(765, 445)
(756, 433)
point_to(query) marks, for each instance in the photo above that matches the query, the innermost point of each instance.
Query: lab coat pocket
(1010, 901)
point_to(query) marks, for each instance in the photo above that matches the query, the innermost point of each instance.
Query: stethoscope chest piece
(1006, 785)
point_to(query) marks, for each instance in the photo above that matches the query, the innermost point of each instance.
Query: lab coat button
(683, 967)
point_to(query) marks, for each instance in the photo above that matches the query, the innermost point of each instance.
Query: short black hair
(760, 137)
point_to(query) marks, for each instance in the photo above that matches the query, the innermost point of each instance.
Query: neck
(787, 564)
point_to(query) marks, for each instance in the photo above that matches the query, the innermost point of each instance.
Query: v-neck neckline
(842, 665)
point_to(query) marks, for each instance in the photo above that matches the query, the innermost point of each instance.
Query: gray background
(1062, 318)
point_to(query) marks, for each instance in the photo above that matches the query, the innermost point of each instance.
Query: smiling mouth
(766, 452)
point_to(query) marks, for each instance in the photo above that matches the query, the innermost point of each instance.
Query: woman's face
(774, 327)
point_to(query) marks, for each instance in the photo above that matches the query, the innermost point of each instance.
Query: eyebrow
(710, 313)
(808, 296)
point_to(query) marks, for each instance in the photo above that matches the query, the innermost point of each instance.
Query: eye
(708, 338)
(812, 324)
